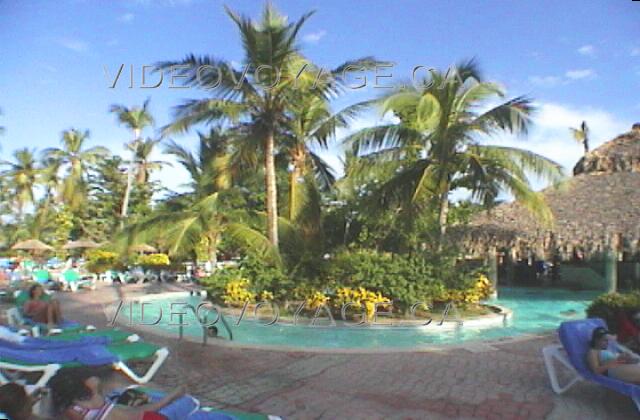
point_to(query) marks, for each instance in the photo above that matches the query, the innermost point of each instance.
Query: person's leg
(626, 373)
(57, 312)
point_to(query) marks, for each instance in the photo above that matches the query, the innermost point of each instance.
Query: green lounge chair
(72, 280)
(41, 276)
(49, 361)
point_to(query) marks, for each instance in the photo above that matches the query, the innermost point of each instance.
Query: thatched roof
(31, 245)
(81, 244)
(597, 208)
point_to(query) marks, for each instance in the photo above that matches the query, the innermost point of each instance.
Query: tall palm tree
(22, 175)
(437, 139)
(258, 96)
(581, 135)
(142, 151)
(135, 119)
(75, 160)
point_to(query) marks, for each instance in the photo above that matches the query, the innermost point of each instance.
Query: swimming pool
(534, 311)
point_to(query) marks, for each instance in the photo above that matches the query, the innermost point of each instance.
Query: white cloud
(545, 81)
(126, 18)
(580, 74)
(568, 77)
(587, 50)
(73, 44)
(550, 135)
(314, 37)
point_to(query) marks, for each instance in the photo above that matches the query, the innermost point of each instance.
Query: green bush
(261, 276)
(99, 261)
(407, 279)
(610, 305)
(153, 260)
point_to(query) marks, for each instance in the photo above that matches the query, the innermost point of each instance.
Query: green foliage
(153, 260)
(262, 277)
(406, 279)
(608, 307)
(99, 261)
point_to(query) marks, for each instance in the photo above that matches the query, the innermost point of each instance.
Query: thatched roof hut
(595, 210)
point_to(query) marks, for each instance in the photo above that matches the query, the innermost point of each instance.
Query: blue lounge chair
(575, 337)
(14, 358)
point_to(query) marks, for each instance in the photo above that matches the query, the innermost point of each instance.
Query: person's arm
(134, 413)
(596, 366)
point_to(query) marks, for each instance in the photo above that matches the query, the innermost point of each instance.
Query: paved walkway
(498, 381)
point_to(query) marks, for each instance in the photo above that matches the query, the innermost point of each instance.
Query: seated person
(629, 330)
(617, 365)
(15, 403)
(80, 393)
(40, 310)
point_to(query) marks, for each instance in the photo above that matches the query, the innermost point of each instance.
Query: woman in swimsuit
(46, 312)
(618, 365)
(77, 394)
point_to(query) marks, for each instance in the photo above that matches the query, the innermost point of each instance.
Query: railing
(205, 334)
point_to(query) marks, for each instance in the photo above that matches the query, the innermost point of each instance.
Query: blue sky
(577, 59)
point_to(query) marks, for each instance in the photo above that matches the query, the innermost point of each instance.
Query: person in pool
(618, 365)
(40, 310)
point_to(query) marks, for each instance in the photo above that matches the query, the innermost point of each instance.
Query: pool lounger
(187, 406)
(48, 361)
(575, 337)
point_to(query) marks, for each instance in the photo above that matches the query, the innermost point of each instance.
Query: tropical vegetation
(259, 192)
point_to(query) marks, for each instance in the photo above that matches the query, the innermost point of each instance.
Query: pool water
(534, 311)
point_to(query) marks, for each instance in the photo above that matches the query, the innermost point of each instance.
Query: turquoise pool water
(534, 311)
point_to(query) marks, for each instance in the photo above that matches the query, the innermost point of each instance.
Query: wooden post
(509, 268)
(492, 262)
(611, 270)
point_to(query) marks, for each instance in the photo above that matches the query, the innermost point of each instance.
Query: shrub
(264, 280)
(99, 261)
(153, 260)
(610, 305)
(236, 292)
(407, 279)
(360, 297)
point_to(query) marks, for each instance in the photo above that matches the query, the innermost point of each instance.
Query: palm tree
(22, 175)
(75, 159)
(437, 140)
(209, 168)
(142, 151)
(311, 122)
(182, 231)
(135, 119)
(259, 96)
(581, 135)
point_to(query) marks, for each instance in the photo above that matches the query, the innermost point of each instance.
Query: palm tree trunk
(213, 250)
(297, 172)
(271, 189)
(127, 192)
(444, 210)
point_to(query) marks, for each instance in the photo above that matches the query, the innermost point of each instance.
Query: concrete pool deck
(487, 380)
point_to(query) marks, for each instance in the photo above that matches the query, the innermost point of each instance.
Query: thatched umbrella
(33, 245)
(595, 212)
(81, 244)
